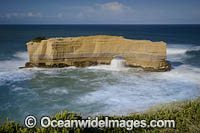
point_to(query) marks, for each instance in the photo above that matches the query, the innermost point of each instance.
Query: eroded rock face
(94, 50)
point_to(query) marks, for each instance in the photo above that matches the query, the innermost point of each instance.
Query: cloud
(20, 15)
(11, 15)
(107, 11)
(114, 7)
(31, 14)
(59, 15)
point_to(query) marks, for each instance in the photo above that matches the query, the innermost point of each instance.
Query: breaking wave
(10, 72)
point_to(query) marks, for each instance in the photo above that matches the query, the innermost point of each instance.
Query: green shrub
(39, 39)
(186, 115)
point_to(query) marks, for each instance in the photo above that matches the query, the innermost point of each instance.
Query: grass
(186, 114)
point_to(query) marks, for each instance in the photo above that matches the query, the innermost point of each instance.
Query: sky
(100, 12)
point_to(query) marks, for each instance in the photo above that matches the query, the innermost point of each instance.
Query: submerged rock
(94, 50)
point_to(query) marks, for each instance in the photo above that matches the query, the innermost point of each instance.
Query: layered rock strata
(94, 50)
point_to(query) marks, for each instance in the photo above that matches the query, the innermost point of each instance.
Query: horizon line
(100, 24)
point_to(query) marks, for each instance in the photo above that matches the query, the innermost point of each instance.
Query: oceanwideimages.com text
(46, 122)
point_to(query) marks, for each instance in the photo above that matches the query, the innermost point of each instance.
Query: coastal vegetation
(39, 39)
(186, 115)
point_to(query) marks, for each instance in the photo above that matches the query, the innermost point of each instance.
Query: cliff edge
(94, 50)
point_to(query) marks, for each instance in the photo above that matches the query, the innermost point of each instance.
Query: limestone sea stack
(95, 50)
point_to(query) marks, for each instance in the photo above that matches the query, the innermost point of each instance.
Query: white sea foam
(18, 89)
(22, 55)
(117, 64)
(138, 92)
(171, 51)
(10, 72)
(50, 71)
(15, 76)
(104, 89)
(195, 48)
(178, 52)
(14, 64)
(58, 91)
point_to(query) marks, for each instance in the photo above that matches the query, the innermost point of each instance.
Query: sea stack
(94, 50)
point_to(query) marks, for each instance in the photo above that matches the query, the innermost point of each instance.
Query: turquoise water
(95, 90)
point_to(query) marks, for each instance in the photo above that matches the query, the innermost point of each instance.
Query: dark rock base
(166, 66)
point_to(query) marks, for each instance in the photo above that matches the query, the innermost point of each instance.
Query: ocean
(95, 90)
